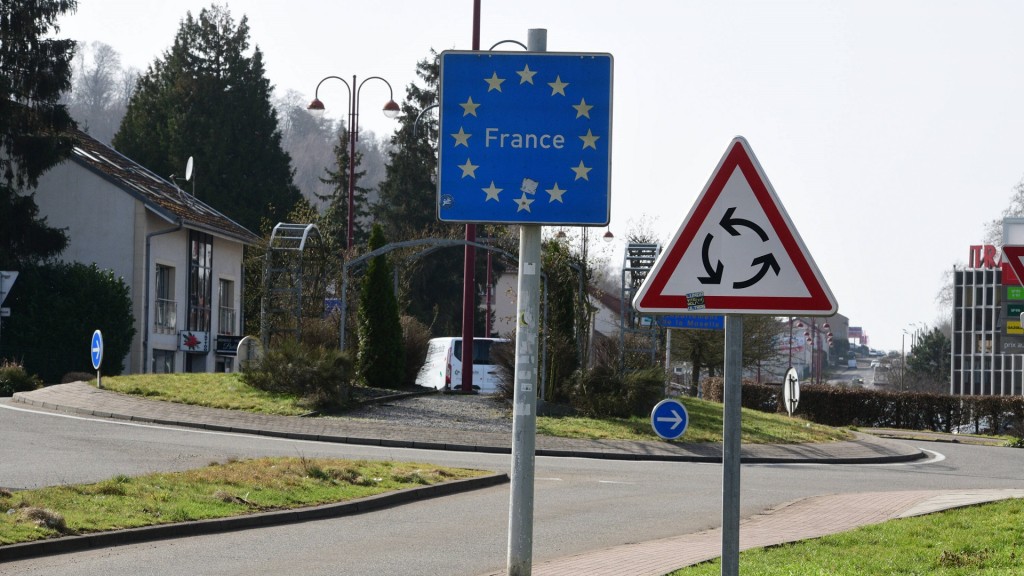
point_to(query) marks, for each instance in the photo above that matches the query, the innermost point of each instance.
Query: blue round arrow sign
(669, 419)
(96, 349)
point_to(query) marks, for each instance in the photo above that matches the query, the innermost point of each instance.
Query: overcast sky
(890, 130)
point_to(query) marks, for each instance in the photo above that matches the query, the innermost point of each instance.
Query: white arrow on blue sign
(669, 419)
(96, 349)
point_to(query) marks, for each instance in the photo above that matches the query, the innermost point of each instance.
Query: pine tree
(337, 201)
(407, 209)
(34, 69)
(381, 357)
(208, 98)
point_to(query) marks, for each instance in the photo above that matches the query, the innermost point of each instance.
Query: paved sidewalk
(799, 520)
(806, 518)
(84, 399)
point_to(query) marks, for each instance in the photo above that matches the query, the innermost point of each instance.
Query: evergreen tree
(208, 98)
(928, 363)
(337, 200)
(34, 69)
(432, 284)
(407, 206)
(381, 358)
(57, 307)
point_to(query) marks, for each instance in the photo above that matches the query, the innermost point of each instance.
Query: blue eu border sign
(525, 138)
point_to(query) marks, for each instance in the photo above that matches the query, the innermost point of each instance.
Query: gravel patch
(446, 411)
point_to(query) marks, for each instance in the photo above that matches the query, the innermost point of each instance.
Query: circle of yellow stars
(555, 194)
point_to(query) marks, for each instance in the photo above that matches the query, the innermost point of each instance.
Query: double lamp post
(391, 110)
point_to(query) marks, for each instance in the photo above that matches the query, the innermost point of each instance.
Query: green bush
(321, 376)
(380, 359)
(54, 310)
(842, 406)
(14, 378)
(416, 339)
(604, 391)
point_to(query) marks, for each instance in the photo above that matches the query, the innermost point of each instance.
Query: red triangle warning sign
(736, 252)
(1013, 259)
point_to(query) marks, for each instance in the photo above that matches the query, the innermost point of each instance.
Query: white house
(181, 259)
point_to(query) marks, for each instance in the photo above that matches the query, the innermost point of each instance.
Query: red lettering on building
(984, 256)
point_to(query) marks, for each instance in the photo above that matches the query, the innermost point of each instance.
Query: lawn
(985, 540)
(705, 418)
(219, 490)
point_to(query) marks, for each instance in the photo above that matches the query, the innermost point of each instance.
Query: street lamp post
(391, 110)
(812, 334)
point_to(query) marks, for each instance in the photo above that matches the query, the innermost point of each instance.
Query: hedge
(842, 406)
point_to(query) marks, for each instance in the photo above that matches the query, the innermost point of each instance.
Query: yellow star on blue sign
(550, 132)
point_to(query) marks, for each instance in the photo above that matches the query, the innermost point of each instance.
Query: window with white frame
(166, 309)
(163, 361)
(226, 307)
(200, 280)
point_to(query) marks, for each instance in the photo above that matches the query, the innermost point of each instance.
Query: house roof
(158, 195)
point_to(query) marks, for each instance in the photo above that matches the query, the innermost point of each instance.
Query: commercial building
(181, 259)
(987, 341)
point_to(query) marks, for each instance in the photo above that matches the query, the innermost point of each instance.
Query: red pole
(469, 263)
(353, 133)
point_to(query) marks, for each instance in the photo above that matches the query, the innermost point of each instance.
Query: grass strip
(705, 418)
(219, 490)
(983, 540)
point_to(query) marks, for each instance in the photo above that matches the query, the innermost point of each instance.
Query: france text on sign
(736, 252)
(1015, 292)
(525, 138)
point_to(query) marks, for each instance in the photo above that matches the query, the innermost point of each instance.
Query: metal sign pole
(524, 419)
(524, 416)
(731, 398)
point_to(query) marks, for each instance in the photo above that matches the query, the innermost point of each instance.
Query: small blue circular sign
(669, 419)
(96, 349)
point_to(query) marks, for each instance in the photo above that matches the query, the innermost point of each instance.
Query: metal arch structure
(284, 278)
(433, 245)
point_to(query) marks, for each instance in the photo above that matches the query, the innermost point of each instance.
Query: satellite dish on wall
(188, 169)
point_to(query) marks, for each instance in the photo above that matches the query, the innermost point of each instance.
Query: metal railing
(165, 319)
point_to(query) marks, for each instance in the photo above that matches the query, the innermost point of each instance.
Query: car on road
(442, 369)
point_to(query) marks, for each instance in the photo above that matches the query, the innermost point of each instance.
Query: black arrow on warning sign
(767, 261)
(730, 224)
(714, 275)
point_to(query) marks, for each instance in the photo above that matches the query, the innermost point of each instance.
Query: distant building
(987, 343)
(181, 259)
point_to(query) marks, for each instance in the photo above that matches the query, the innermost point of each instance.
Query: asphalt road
(581, 504)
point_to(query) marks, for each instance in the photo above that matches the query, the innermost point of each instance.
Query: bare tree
(100, 90)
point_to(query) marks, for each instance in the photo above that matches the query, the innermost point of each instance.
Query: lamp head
(391, 109)
(316, 108)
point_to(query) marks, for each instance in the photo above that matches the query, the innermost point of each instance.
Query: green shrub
(380, 359)
(55, 309)
(604, 391)
(416, 339)
(321, 376)
(14, 378)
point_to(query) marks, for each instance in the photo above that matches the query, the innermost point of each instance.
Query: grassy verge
(704, 425)
(705, 422)
(216, 491)
(206, 389)
(974, 541)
